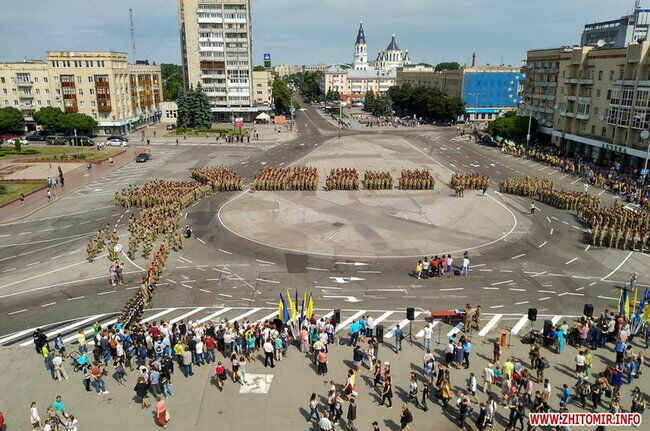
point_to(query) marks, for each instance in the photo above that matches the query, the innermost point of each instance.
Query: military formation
(303, 178)
(98, 241)
(375, 180)
(159, 192)
(416, 180)
(153, 222)
(271, 178)
(525, 186)
(342, 179)
(221, 178)
(569, 201)
(618, 227)
(470, 181)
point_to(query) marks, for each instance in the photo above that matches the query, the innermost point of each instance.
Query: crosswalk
(489, 325)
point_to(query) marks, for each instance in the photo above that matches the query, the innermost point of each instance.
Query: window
(4, 90)
(44, 79)
(583, 127)
(603, 132)
(38, 91)
(16, 102)
(38, 102)
(81, 92)
(35, 79)
(47, 91)
(92, 91)
(93, 104)
(2, 79)
(596, 110)
(78, 79)
(598, 92)
(593, 130)
(600, 75)
(48, 103)
(90, 79)
(81, 104)
(611, 75)
(6, 103)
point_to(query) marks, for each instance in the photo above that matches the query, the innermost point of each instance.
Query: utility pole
(132, 36)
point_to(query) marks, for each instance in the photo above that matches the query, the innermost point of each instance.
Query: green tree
(429, 103)
(448, 65)
(78, 122)
(51, 118)
(203, 112)
(11, 119)
(310, 85)
(258, 68)
(167, 70)
(184, 112)
(18, 145)
(172, 87)
(382, 106)
(281, 97)
(194, 109)
(512, 126)
(402, 97)
(369, 101)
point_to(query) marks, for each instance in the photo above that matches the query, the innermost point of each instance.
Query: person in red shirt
(220, 375)
(210, 345)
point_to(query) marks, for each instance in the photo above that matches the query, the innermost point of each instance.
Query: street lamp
(530, 119)
(645, 134)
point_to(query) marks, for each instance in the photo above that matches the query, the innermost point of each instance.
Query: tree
(512, 126)
(79, 122)
(281, 97)
(402, 97)
(332, 96)
(258, 68)
(369, 101)
(194, 109)
(382, 106)
(11, 119)
(310, 85)
(172, 87)
(448, 65)
(167, 70)
(429, 103)
(51, 118)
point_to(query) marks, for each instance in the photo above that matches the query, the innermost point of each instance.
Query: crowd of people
(619, 227)
(161, 192)
(342, 179)
(439, 266)
(376, 180)
(525, 186)
(416, 180)
(542, 189)
(153, 222)
(221, 178)
(470, 181)
(97, 243)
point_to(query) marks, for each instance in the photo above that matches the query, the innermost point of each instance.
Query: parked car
(117, 143)
(170, 127)
(80, 141)
(7, 137)
(37, 136)
(142, 157)
(56, 140)
(117, 138)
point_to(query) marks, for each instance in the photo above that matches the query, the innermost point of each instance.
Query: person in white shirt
(268, 353)
(488, 374)
(471, 384)
(580, 364)
(59, 371)
(34, 418)
(370, 326)
(426, 334)
(465, 269)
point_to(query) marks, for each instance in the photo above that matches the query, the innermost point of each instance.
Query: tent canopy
(263, 116)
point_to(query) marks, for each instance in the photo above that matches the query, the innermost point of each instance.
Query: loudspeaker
(588, 310)
(337, 316)
(532, 314)
(410, 313)
(548, 324)
(379, 333)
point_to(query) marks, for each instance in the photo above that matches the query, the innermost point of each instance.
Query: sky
(313, 31)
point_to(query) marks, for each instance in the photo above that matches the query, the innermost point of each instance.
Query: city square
(294, 240)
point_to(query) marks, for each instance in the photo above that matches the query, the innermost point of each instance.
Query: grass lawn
(13, 190)
(56, 153)
(226, 131)
(42, 150)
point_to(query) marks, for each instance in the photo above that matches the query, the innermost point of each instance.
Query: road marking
(549, 220)
(315, 269)
(369, 272)
(555, 319)
(565, 222)
(186, 315)
(185, 260)
(547, 291)
(619, 265)
(224, 294)
(67, 328)
(552, 231)
(493, 321)
(222, 270)
(485, 270)
(187, 285)
(9, 270)
(542, 244)
(455, 330)
(580, 277)
(608, 297)
(588, 247)
(24, 233)
(432, 325)
(571, 261)
(478, 266)
(544, 298)
(497, 306)
(518, 256)
(591, 284)
(33, 263)
(264, 261)
(76, 297)
(454, 288)
(517, 289)
(16, 312)
(204, 290)
(556, 275)
(268, 281)
(505, 270)
(106, 293)
(224, 251)
(200, 240)
(522, 302)
(491, 288)
(501, 282)
(48, 304)
(519, 325)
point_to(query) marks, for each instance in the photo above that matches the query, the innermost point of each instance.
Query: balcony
(547, 97)
(571, 81)
(586, 81)
(547, 84)
(570, 114)
(571, 98)
(582, 116)
(24, 82)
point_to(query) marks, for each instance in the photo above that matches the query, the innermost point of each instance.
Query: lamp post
(645, 134)
(530, 120)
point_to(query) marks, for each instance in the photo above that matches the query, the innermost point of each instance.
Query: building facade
(487, 91)
(619, 32)
(101, 84)
(169, 110)
(286, 69)
(216, 47)
(592, 101)
(392, 57)
(262, 88)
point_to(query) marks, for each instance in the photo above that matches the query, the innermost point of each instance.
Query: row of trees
(194, 109)
(49, 118)
(283, 98)
(307, 82)
(512, 126)
(428, 103)
(379, 106)
(172, 81)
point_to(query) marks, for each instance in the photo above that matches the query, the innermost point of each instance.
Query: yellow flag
(292, 308)
(310, 307)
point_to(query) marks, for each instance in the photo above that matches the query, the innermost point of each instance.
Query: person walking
(405, 418)
(162, 412)
(34, 417)
(532, 208)
(324, 423)
(268, 353)
(398, 333)
(427, 333)
(313, 408)
(352, 414)
(387, 393)
(141, 389)
(59, 370)
(49, 197)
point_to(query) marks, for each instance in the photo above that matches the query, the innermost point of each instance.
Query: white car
(117, 143)
(302, 109)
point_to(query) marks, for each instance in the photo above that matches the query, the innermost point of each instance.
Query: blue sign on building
(491, 89)
(267, 56)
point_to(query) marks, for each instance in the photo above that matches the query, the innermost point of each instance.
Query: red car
(7, 137)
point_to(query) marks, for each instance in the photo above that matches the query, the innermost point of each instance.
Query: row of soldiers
(416, 180)
(342, 179)
(221, 178)
(470, 181)
(303, 178)
(159, 192)
(625, 239)
(97, 242)
(617, 217)
(525, 186)
(569, 201)
(159, 220)
(374, 180)
(271, 178)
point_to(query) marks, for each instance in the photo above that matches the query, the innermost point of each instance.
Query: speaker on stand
(588, 310)
(532, 317)
(410, 315)
(379, 329)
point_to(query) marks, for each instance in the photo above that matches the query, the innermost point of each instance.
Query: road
(542, 261)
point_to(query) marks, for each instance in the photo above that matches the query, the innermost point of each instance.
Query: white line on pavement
(349, 320)
(455, 330)
(571, 261)
(520, 324)
(493, 321)
(555, 319)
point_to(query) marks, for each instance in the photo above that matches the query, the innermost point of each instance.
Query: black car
(142, 157)
(117, 138)
(37, 136)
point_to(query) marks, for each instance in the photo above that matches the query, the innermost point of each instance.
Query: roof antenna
(132, 37)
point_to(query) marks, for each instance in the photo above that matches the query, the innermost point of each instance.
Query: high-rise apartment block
(216, 46)
(100, 84)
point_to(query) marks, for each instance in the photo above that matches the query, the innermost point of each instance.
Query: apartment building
(216, 46)
(282, 70)
(592, 101)
(101, 84)
(262, 88)
(487, 91)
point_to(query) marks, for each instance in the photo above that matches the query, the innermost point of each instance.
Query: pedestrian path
(489, 325)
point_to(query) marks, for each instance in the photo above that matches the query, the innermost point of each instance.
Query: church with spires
(364, 75)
